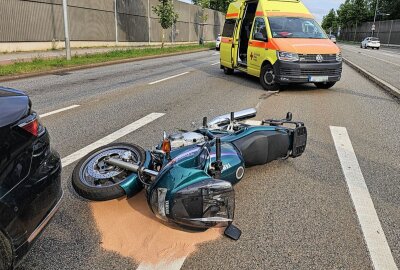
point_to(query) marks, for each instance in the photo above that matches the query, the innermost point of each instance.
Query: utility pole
(116, 22)
(149, 20)
(376, 11)
(66, 30)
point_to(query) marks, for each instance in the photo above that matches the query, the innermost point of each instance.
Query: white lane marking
(216, 63)
(174, 265)
(168, 78)
(110, 138)
(374, 235)
(58, 111)
(380, 59)
(215, 54)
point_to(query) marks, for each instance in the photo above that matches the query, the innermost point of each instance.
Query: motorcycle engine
(185, 139)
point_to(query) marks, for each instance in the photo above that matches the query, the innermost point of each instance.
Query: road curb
(115, 62)
(384, 85)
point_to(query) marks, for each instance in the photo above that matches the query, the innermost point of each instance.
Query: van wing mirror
(259, 36)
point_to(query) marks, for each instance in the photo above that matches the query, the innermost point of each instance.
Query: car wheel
(228, 71)
(94, 180)
(267, 78)
(377, 48)
(325, 85)
(6, 253)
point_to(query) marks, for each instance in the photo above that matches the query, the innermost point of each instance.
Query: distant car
(332, 38)
(30, 177)
(371, 42)
(218, 43)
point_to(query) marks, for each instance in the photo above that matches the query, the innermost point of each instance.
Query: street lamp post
(66, 30)
(376, 11)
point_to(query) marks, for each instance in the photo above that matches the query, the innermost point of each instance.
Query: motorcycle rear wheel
(94, 180)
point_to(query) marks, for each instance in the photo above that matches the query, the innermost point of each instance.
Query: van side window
(229, 28)
(259, 29)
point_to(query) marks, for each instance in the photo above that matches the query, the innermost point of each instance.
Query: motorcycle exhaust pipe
(129, 166)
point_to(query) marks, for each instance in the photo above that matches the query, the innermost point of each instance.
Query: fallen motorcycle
(188, 177)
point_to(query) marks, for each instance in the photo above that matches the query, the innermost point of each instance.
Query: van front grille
(310, 72)
(312, 58)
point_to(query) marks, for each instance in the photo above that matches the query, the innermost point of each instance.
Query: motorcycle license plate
(318, 78)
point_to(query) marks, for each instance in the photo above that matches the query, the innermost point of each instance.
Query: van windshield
(295, 27)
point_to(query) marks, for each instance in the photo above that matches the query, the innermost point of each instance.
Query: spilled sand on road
(129, 228)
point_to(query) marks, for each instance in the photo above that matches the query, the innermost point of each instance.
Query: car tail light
(32, 127)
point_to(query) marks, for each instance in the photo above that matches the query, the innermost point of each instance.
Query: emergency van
(280, 42)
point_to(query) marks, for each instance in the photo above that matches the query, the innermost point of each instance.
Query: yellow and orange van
(280, 42)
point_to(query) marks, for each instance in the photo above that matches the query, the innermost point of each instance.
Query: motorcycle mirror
(289, 116)
(233, 232)
(232, 117)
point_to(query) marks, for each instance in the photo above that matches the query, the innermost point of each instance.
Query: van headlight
(205, 204)
(288, 56)
(339, 57)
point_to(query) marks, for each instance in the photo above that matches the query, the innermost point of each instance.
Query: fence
(387, 31)
(94, 20)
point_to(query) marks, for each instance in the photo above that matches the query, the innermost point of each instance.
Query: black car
(30, 177)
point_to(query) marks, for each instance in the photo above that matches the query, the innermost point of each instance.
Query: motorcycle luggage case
(262, 147)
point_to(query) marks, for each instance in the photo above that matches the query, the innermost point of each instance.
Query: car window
(229, 28)
(260, 28)
(295, 27)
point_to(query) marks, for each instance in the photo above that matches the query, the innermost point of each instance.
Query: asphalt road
(294, 214)
(383, 63)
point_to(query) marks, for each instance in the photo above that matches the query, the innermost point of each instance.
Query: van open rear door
(229, 39)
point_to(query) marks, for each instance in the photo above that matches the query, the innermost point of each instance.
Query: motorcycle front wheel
(95, 180)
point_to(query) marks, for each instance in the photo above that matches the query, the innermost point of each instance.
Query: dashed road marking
(111, 138)
(59, 110)
(374, 236)
(174, 265)
(216, 63)
(168, 78)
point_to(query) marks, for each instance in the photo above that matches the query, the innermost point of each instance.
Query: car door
(258, 46)
(229, 39)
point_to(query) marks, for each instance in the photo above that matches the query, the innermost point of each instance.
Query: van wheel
(6, 253)
(228, 71)
(267, 78)
(325, 85)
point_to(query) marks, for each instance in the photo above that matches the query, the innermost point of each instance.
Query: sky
(317, 7)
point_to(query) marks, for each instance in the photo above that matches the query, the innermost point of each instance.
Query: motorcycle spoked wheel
(95, 180)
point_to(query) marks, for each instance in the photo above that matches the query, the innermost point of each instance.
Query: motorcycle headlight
(288, 56)
(205, 204)
(339, 57)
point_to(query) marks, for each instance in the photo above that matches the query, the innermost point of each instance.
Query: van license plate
(318, 78)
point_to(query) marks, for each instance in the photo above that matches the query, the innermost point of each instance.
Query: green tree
(330, 21)
(167, 16)
(220, 5)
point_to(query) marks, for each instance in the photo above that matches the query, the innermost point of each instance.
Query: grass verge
(41, 64)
